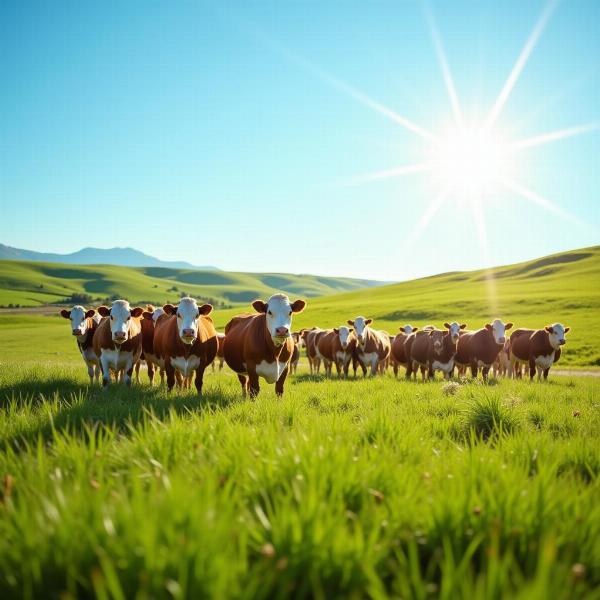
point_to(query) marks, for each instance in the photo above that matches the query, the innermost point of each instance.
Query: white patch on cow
(407, 329)
(557, 336)
(446, 367)
(187, 320)
(343, 357)
(271, 372)
(499, 331)
(369, 358)
(360, 325)
(545, 362)
(186, 366)
(117, 360)
(157, 313)
(279, 318)
(454, 330)
(78, 322)
(120, 316)
(89, 356)
(481, 364)
(344, 335)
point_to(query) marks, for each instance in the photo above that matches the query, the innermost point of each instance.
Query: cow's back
(464, 347)
(520, 343)
(419, 348)
(237, 332)
(325, 343)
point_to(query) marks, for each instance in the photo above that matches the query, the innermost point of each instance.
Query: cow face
(408, 329)
(498, 330)
(188, 314)
(437, 339)
(556, 334)
(454, 330)
(278, 311)
(120, 314)
(78, 317)
(345, 335)
(360, 325)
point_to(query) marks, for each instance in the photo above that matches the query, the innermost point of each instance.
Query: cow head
(454, 330)
(556, 334)
(120, 314)
(188, 314)
(437, 339)
(278, 311)
(360, 325)
(345, 334)
(78, 317)
(498, 330)
(408, 329)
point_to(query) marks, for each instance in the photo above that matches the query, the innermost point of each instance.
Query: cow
(398, 353)
(372, 346)
(185, 341)
(434, 349)
(539, 349)
(311, 338)
(83, 326)
(501, 366)
(118, 340)
(336, 347)
(219, 356)
(261, 345)
(479, 349)
(148, 323)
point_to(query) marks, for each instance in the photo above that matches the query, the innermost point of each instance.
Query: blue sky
(221, 134)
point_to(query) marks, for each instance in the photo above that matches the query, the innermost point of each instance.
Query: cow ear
(368, 321)
(65, 314)
(508, 326)
(260, 306)
(137, 312)
(431, 332)
(463, 325)
(298, 306)
(447, 325)
(336, 330)
(205, 309)
(148, 315)
(549, 329)
(169, 309)
(350, 322)
(90, 313)
(415, 329)
(567, 329)
(488, 326)
(103, 311)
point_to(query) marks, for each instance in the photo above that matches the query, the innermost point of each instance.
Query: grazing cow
(185, 341)
(83, 326)
(118, 340)
(261, 345)
(479, 349)
(399, 355)
(336, 347)
(501, 366)
(434, 350)
(539, 349)
(219, 356)
(372, 346)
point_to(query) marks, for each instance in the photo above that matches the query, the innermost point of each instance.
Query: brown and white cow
(336, 347)
(311, 339)
(479, 349)
(501, 366)
(186, 341)
(399, 355)
(261, 345)
(298, 343)
(83, 326)
(539, 349)
(148, 323)
(372, 346)
(118, 340)
(434, 350)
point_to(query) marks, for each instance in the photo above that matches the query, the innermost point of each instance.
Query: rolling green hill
(28, 283)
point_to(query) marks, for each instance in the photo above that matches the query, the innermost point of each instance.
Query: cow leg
(546, 371)
(244, 381)
(138, 364)
(105, 372)
(128, 372)
(474, 370)
(281, 381)
(171, 375)
(90, 369)
(484, 372)
(200, 377)
(253, 385)
(539, 373)
(430, 373)
(221, 361)
(162, 376)
(531, 369)
(97, 372)
(150, 372)
(317, 365)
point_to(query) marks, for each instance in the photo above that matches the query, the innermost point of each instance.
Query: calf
(83, 326)
(539, 349)
(185, 341)
(434, 349)
(261, 345)
(501, 366)
(372, 346)
(336, 347)
(118, 340)
(400, 356)
(479, 349)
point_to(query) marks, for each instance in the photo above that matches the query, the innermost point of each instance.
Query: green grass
(361, 488)
(34, 283)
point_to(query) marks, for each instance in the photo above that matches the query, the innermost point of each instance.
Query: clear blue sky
(211, 133)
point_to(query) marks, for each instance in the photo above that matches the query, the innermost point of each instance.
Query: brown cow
(219, 356)
(185, 341)
(311, 338)
(434, 350)
(336, 347)
(480, 348)
(539, 349)
(298, 341)
(261, 345)
(399, 355)
(148, 323)
(118, 340)
(372, 346)
(83, 326)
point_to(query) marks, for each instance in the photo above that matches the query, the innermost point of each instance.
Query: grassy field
(363, 488)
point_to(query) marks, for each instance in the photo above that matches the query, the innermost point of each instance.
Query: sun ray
(539, 200)
(432, 208)
(389, 173)
(553, 136)
(521, 62)
(441, 56)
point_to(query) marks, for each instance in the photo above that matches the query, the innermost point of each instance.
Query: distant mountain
(124, 257)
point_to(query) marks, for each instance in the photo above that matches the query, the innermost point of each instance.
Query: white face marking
(271, 372)
(78, 322)
(120, 315)
(157, 313)
(360, 325)
(437, 338)
(407, 329)
(187, 320)
(499, 331)
(557, 337)
(344, 335)
(454, 331)
(279, 318)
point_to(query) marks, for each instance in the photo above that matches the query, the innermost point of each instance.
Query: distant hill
(30, 283)
(124, 257)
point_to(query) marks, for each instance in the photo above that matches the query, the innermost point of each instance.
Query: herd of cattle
(181, 341)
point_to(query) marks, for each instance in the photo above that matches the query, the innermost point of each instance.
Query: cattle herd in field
(180, 341)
